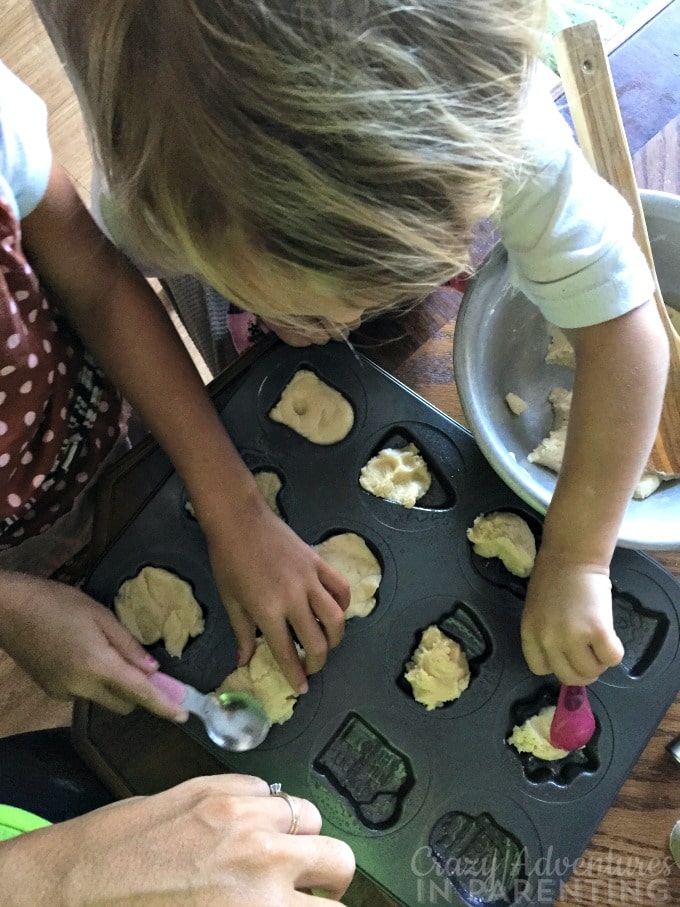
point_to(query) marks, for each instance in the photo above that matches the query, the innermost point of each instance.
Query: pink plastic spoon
(573, 723)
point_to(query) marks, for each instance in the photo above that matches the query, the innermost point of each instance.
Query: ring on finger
(275, 791)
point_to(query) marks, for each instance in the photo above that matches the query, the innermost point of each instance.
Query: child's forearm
(618, 391)
(122, 322)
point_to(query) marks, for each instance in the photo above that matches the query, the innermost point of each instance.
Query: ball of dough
(506, 536)
(349, 554)
(263, 679)
(534, 736)
(515, 403)
(438, 671)
(313, 409)
(157, 604)
(398, 475)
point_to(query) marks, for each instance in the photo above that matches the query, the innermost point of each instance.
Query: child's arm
(266, 575)
(567, 625)
(74, 647)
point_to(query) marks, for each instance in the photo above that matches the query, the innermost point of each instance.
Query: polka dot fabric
(59, 416)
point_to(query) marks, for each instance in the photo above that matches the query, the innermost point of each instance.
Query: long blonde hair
(360, 140)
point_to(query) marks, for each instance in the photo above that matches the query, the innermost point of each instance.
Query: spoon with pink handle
(573, 723)
(234, 721)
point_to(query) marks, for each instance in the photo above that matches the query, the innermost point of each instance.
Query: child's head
(340, 146)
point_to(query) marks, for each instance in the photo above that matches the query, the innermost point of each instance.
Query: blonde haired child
(317, 162)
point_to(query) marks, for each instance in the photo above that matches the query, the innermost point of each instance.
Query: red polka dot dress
(59, 416)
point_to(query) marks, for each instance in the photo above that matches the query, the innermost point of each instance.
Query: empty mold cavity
(484, 862)
(641, 630)
(368, 772)
(561, 772)
(493, 570)
(440, 495)
(465, 628)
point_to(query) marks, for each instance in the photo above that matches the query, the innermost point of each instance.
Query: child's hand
(567, 624)
(270, 579)
(74, 647)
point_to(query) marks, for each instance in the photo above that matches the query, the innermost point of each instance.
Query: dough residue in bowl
(506, 536)
(157, 604)
(550, 451)
(313, 409)
(397, 474)
(438, 670)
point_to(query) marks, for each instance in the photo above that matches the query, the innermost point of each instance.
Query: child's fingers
(310, 633)
(244, 629)
(535, 656)
(335, 584)
(286, 656)
(608, 650)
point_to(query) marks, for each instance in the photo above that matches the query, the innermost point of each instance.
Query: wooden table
(627, 862)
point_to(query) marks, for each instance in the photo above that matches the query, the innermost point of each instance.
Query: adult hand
(210, 842)
(567, 623)
(72, 646)
(270, 579)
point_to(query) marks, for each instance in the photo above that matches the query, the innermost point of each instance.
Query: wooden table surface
(627, 862)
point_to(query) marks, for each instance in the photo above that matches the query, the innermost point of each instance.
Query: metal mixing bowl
(500, 344)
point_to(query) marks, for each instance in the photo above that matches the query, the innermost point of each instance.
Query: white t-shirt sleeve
(25, 154)
(568, 234)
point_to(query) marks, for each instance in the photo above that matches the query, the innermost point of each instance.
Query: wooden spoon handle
(590, 92)
(589, 89)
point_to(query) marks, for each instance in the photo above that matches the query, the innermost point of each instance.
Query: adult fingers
(322, 863)
(291, 815)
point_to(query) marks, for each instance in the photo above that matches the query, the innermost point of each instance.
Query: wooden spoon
(589, 90)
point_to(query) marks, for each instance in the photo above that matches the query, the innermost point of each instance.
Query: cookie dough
(506, 536)
(262, 678)
(515, 403)
(398, 475)
(270, 485)
(313, 409)
(438, 671)
(349, 554)
(534, 736)
(560, 351)
(550, 452)
(157, 604)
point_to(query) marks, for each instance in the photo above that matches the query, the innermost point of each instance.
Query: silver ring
(275, 791)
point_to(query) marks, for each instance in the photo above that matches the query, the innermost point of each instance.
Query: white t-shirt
(568, 234)
(25, 154)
